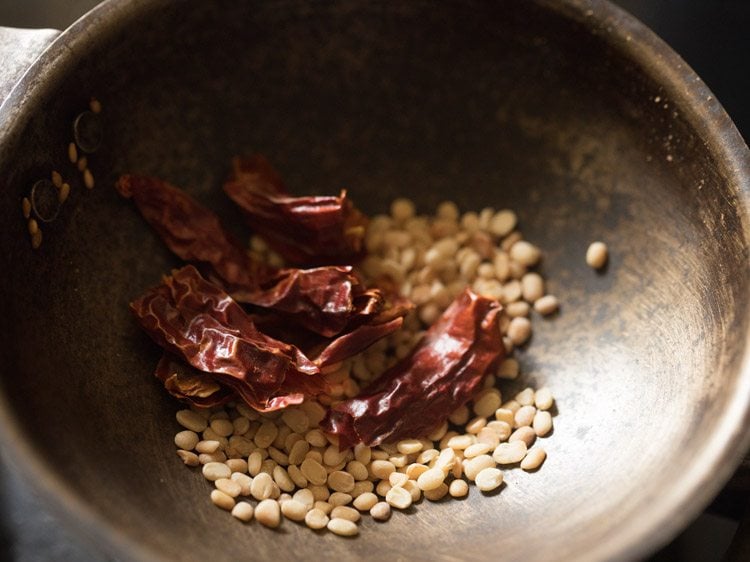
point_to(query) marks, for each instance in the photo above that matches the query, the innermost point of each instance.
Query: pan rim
(638, 537)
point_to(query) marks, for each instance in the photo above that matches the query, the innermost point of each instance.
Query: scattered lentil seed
(596, 255)
(294, 510)
(489, 479)
(72, 153)
(33, 226)
(222, 500)
(228, 486)
(345, 512)
(543, 398)
(262, 486)
(542, 424)
(190, 420)
(26, 207)
(343, 527)
(62, 196)
(316, 519)
(88, 179)
(546, 305)
(399, 497)
(268, 513)
(381, 511)
(188, 457)
(95, 105)
(525, 434)
(519, 330)
(509, 453)
(243, 511)
(207, 446)
(82, 164)
(365, 501)
(458, 488)
(534, 459)
(186, 440)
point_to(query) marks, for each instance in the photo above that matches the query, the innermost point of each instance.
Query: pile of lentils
(281, 465)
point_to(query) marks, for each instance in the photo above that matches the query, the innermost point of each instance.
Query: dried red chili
(191, 385)
(417, 394)
(311, 230)
(197, 321)
(324, 300)
(191, 231)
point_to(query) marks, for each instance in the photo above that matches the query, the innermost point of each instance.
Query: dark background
(713, 36)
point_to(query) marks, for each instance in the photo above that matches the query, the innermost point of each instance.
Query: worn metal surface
(569, 112)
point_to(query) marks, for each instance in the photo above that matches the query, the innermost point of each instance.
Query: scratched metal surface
(500, 105)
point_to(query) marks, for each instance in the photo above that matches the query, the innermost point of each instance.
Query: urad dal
(281, 465)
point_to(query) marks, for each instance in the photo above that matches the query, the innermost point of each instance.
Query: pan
(569, 111)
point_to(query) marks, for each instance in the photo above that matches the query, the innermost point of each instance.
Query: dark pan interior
(501, 104)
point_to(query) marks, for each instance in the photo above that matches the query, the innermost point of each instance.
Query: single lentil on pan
(596, 255)
(293, 470)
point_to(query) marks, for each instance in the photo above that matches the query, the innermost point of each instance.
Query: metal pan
(570, 112)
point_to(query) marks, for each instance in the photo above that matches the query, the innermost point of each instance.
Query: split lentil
(285, 456)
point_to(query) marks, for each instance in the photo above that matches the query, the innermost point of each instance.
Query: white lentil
(596, 255)
(460, 415)
(268, 513)
(382, 469)
(475, 426)
(207, 446)
(344, 512)
(316, 438)
(365, 502)
(474, 466)
(342, 527)
(546, 305)
(543, 398)
(508, 369)
(229, 487)
(489, 479)
(262, 486)
(188, 457)
(486, 402)
(314, 472)
(296, 420)
(381, 511)
(298, 452)
(532, 287)
(222, 427)
(222, 500)
(362, 487)
(458, 488)
(266, 434)
(525, 397)
(437, 494)
(244, 481)
(525, 253)
(502, 223)
(340, 498)
(509, 453)
(88, 178)
(477, 449)
(186, 440)
(534, 459)
(399, 497)
(519, 330)
(518, 308)
(316, 519)
(397, 479)
(341, 481)
(325, 507)
(215, 470)
(294, 510)
(431, 479)
(243, 511)
(460, 442)
(254, 462)
(190, 420)
(525, 434)
(524, 416)
(542, 423)
(402, 209)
